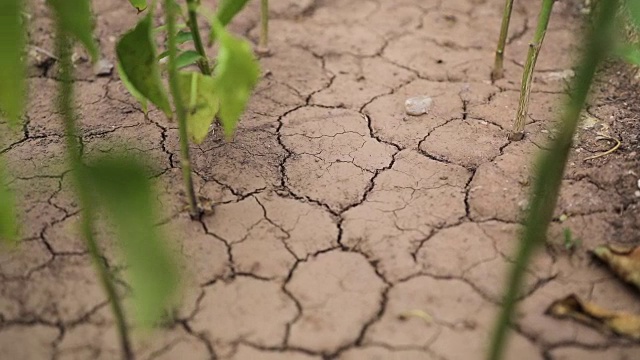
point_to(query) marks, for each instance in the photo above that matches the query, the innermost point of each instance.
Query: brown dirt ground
(334, 211)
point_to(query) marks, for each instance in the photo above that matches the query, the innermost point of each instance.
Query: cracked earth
(335, 212)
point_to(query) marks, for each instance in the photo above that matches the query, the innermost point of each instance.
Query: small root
(614, 148)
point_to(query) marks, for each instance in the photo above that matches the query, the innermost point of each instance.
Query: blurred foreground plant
(550, 169)
(117, 185)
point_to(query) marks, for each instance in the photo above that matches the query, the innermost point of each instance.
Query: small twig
(44, 52)
(614, 148)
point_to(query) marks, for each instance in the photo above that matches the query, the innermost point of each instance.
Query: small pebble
(103, 68)
(418, 105)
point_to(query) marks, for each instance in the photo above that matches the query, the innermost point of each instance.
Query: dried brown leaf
(623, 261)
(619, 323)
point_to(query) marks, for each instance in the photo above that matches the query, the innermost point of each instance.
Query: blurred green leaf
(132, 90)
(187, 58)
(12, 69)
(227, 10)
(75, 18)
(629, 53)
(236, 73)
(8, 216)
(202, 103)
(634, 11)
(121, 186)
(183, 36)
(137, 56)
(140, 5)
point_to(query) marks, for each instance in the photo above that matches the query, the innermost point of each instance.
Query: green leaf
(121, 186)
(187, 58)
(137, 56)
(12, 69)
(202, 103)
(227, 10)
(132, 90)
(140, 5)
(235, 75)
(629, 53)
(8, 216)
(183, 36)
(75, 18)
(634, 11)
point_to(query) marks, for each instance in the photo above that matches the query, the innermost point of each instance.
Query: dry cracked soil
(335, 212)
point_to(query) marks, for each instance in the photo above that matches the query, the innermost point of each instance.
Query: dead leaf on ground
(405, 315)
(619, 323)
(623, 261)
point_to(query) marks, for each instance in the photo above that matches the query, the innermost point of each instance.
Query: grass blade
(550, 171)
(75, 18)
(12, 69)
(8, 216)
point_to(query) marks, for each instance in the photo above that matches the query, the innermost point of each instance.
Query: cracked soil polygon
(334, 212)
(339, 292)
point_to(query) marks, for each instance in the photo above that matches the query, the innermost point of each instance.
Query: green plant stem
(550, 171)
(185, 162)
(498, 70)
(203, 63)
(264, 25)
(517, 133)
(65, 104)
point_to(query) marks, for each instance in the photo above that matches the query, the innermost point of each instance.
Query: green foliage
(201, 101)
(634, 11)
(629, 53)
(227, 10)
(122, 187)
(236, 73)
(137, 56)
(74, 18)
(183, 36)
(127, 84)
(186, 58)
(140, 5)
(12, 69)
(8, 216)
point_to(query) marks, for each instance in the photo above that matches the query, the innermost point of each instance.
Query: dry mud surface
(335, 212)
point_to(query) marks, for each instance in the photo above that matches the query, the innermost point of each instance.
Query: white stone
(418, 105)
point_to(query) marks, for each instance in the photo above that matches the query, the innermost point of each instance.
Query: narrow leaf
(187, 58)
(75, 18)
(140, 5)
(227, 10)
(8, 216)
(183, 36)
(137, 56)
(236, 74)
(122, 187)
(132, 90)
(12, 69)
(201, 101)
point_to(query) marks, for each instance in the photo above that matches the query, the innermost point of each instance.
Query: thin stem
(517, 133)
(203, 63)
(264, 25)
(548, 179)
(65, 107)
(185, 163)
(498, 70)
